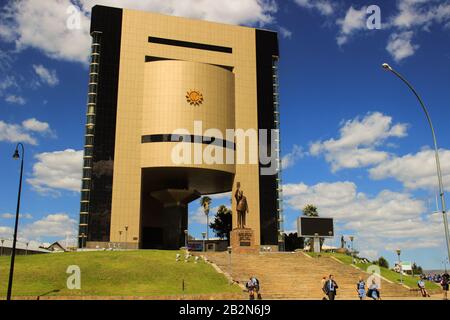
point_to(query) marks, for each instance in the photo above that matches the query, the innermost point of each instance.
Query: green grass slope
(117, 273)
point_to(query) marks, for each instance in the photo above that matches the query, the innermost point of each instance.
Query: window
(187, 44)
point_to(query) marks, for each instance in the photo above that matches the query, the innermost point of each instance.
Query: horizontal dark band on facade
(187, 44)
(188, 138)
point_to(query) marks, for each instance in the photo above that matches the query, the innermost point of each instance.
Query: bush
(382, 262)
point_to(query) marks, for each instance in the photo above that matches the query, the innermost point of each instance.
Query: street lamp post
(353, 256)
(436, 153)
(229, 249)
(26, 250)
(204, 236)
(400, 265)
(126, 237)
(16, 156)
(186, 240)
(120, 237)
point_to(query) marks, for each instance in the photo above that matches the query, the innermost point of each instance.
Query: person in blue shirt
(330, 287)
(361, 288)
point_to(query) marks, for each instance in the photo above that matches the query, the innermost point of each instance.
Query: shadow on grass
(47, 293)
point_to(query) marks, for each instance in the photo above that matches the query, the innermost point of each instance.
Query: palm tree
(310, 210)
(205, 202)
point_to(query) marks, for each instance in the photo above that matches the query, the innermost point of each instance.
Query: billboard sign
(315, 226)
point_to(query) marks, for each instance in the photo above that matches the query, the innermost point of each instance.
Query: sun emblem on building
(194, 97)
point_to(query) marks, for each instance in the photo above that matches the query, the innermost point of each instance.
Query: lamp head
(16, 155)
(398, 251)
(386, 66)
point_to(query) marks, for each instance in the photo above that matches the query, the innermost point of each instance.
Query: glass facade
(97, 181)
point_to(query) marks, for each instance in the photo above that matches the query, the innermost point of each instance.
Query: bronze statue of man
(241, 206)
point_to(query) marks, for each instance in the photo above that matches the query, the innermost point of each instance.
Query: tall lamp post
(353, 256)
(436, 153)
(16, 156)
(204, 244)
(400, 265)
(126, 237)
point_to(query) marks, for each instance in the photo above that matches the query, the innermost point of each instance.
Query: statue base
(242, 240)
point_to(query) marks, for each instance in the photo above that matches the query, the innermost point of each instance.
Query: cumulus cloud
(400, 45)
(13, 99)
(359, 138)
(285, 33)
(12, 216)
(415, 171)
(324, 7)
(52, 225)
(24, 132)
(290, 159)
(43, 25)
(353, 21)
(45, 75)
(380, 221)
(57, 171)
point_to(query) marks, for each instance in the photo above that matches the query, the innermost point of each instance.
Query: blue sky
(354, 139)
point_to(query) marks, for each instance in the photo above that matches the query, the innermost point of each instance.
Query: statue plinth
(242, 240)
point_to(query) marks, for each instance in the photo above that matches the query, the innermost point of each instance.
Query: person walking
(256, 287)
(250, 285)
(374, 291)
(324, 279)
(445, 283)
(361, 288)
(421, 285)
(331, 287)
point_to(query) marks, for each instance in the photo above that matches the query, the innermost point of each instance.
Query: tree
(382, 262)
(310, 211)
(222, 223)
(205, 203)
(417, 269)
(292, 242)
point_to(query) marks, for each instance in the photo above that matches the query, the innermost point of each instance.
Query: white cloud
(6, 232)
(23, 132)
(356, 146)
(36, 125)
(56, 171)
(7, 82)
(12, 216)
(198, 216)
(52, 225)
(353, 21)
(43, 24)
(420, 13)
(285, 33)
(15, 133)
(379, 222)
(292, 157)
(324, 7)
(400, 46)
(47, 76)
(15, 99)
(415, 171)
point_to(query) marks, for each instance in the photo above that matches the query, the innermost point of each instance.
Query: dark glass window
(86, 184)
(89, 129)
(92, 98)
(93, 88)
(87, 163)
(84, 207)
(91, 119)
(87, 173)
(187, 44)
(84, 218)
(82, 229)
(94, 68)
(95, 48)
(93, 78)
(89, 141)
(95, 58)
(84, 195)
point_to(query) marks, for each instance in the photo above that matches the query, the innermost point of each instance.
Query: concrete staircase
(298, 276)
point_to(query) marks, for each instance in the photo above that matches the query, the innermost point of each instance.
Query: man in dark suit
(330, 287)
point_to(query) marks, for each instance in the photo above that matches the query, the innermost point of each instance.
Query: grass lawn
(391, 275)
(112, 273)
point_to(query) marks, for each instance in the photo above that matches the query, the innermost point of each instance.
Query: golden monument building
(159, 88)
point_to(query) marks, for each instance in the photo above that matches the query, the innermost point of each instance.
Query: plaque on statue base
(243, 241)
